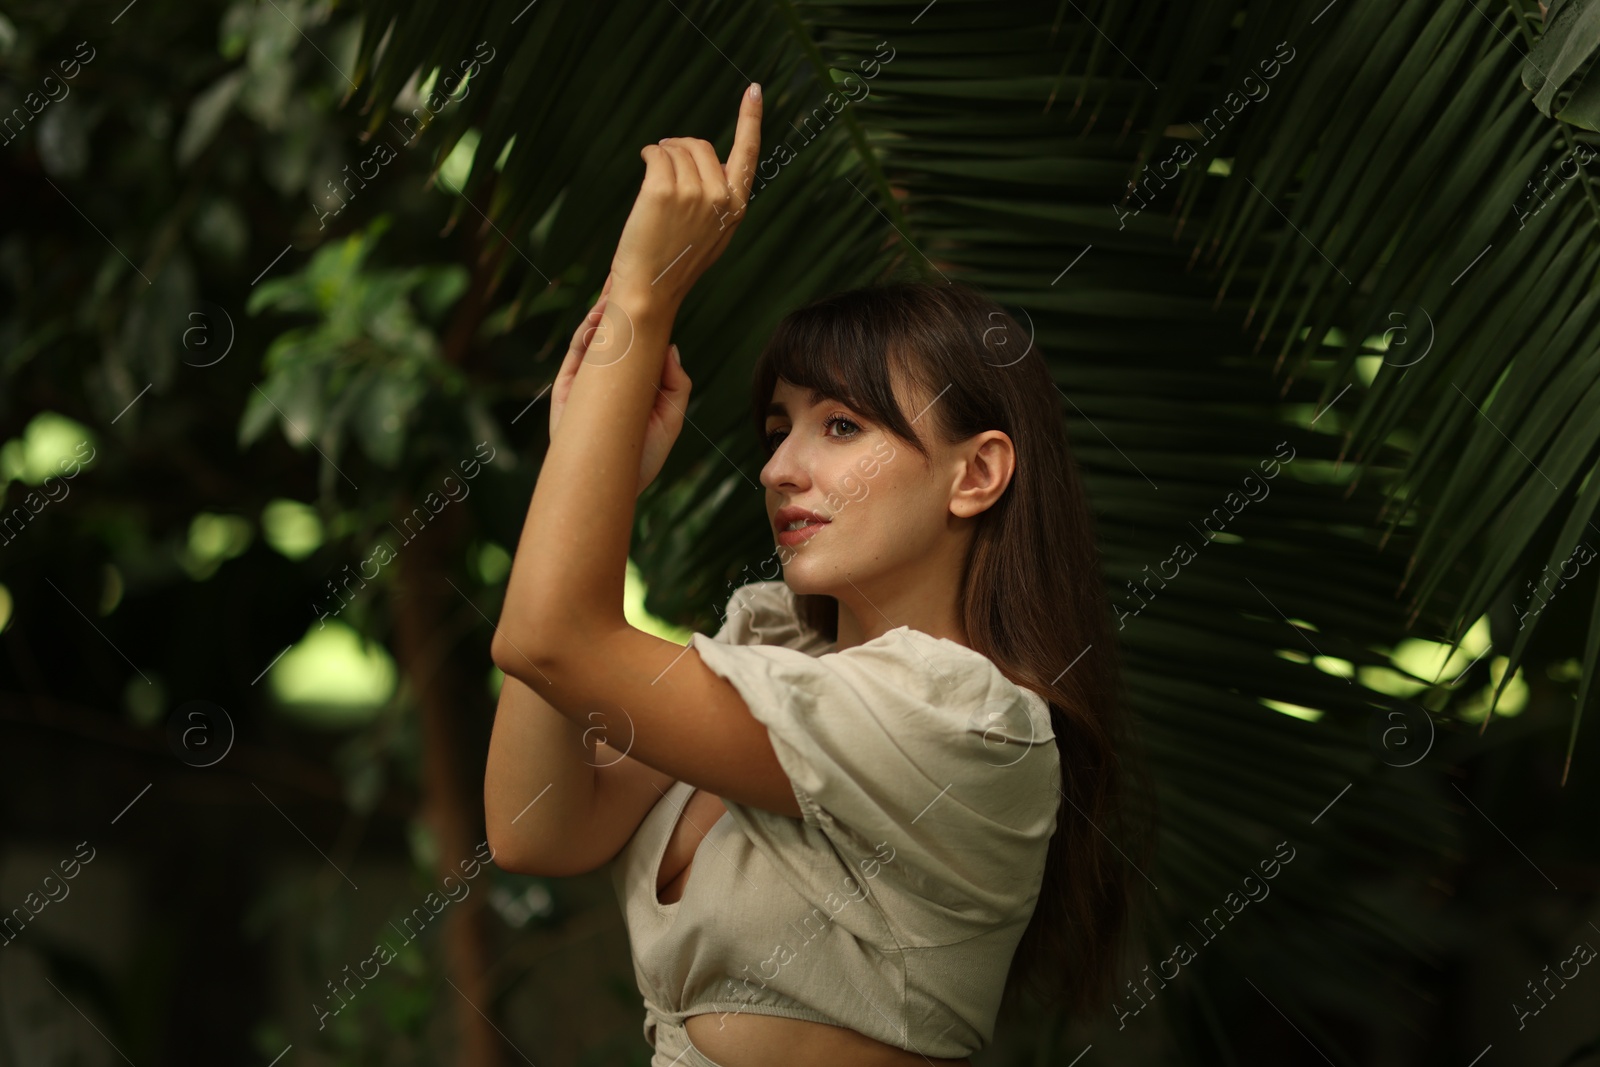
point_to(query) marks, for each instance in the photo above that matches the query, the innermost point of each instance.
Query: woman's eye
(841, 420)
(849, 428)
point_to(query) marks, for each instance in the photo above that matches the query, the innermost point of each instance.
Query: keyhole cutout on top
(699, 814)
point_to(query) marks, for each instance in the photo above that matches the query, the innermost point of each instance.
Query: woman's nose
(785, 468)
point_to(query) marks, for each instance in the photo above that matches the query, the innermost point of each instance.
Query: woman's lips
(790, 538)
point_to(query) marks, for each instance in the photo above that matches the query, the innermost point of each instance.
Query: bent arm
(660, 703)
(562, 629)
(566, 581)
(565, 596)
(558, 799)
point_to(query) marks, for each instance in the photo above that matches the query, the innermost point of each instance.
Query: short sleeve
(910, 740)
(765, 613)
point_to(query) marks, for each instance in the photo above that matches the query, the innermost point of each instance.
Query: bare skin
(756, 1040)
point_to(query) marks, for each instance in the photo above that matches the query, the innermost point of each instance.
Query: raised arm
(562, 631)
(557, 799)
(581, 514)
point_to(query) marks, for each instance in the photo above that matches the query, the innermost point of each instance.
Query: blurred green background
(286, 284)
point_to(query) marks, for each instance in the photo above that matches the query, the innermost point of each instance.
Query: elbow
(516, 647)
(535, 847)
(500, 844)
(511, 851)
(499, 833)
(515, 658)
(501, 652)
(516, 857)
(529, 642)
(519, 651)
(507, 856)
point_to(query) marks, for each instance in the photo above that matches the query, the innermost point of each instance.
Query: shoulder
(975, 732)
(933, 696)
(873, 735)
(952, 687)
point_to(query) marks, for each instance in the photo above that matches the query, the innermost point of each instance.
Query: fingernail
(676, 358)
(755, 90)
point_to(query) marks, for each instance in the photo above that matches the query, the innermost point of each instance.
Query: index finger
(741, 166)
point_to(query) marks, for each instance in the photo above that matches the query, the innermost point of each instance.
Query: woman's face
(883, 508)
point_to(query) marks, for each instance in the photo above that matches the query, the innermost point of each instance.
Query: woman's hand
(687, 209)
(672, 393)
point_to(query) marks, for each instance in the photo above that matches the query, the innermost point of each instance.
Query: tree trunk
(449, 695)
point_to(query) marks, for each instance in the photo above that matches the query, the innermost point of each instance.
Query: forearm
(567, 577)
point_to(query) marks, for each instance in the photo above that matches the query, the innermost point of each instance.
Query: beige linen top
(929, 786)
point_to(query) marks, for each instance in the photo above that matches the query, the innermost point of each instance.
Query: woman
(914, 735)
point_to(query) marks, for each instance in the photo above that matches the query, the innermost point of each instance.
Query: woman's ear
(988, 461)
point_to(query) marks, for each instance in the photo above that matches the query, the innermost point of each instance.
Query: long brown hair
(1033, 599)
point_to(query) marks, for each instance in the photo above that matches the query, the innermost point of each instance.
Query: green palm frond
(1419, 191)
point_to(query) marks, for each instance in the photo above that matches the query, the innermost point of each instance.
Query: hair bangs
(844, 350)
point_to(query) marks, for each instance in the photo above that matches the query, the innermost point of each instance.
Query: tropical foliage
(1314, 281)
